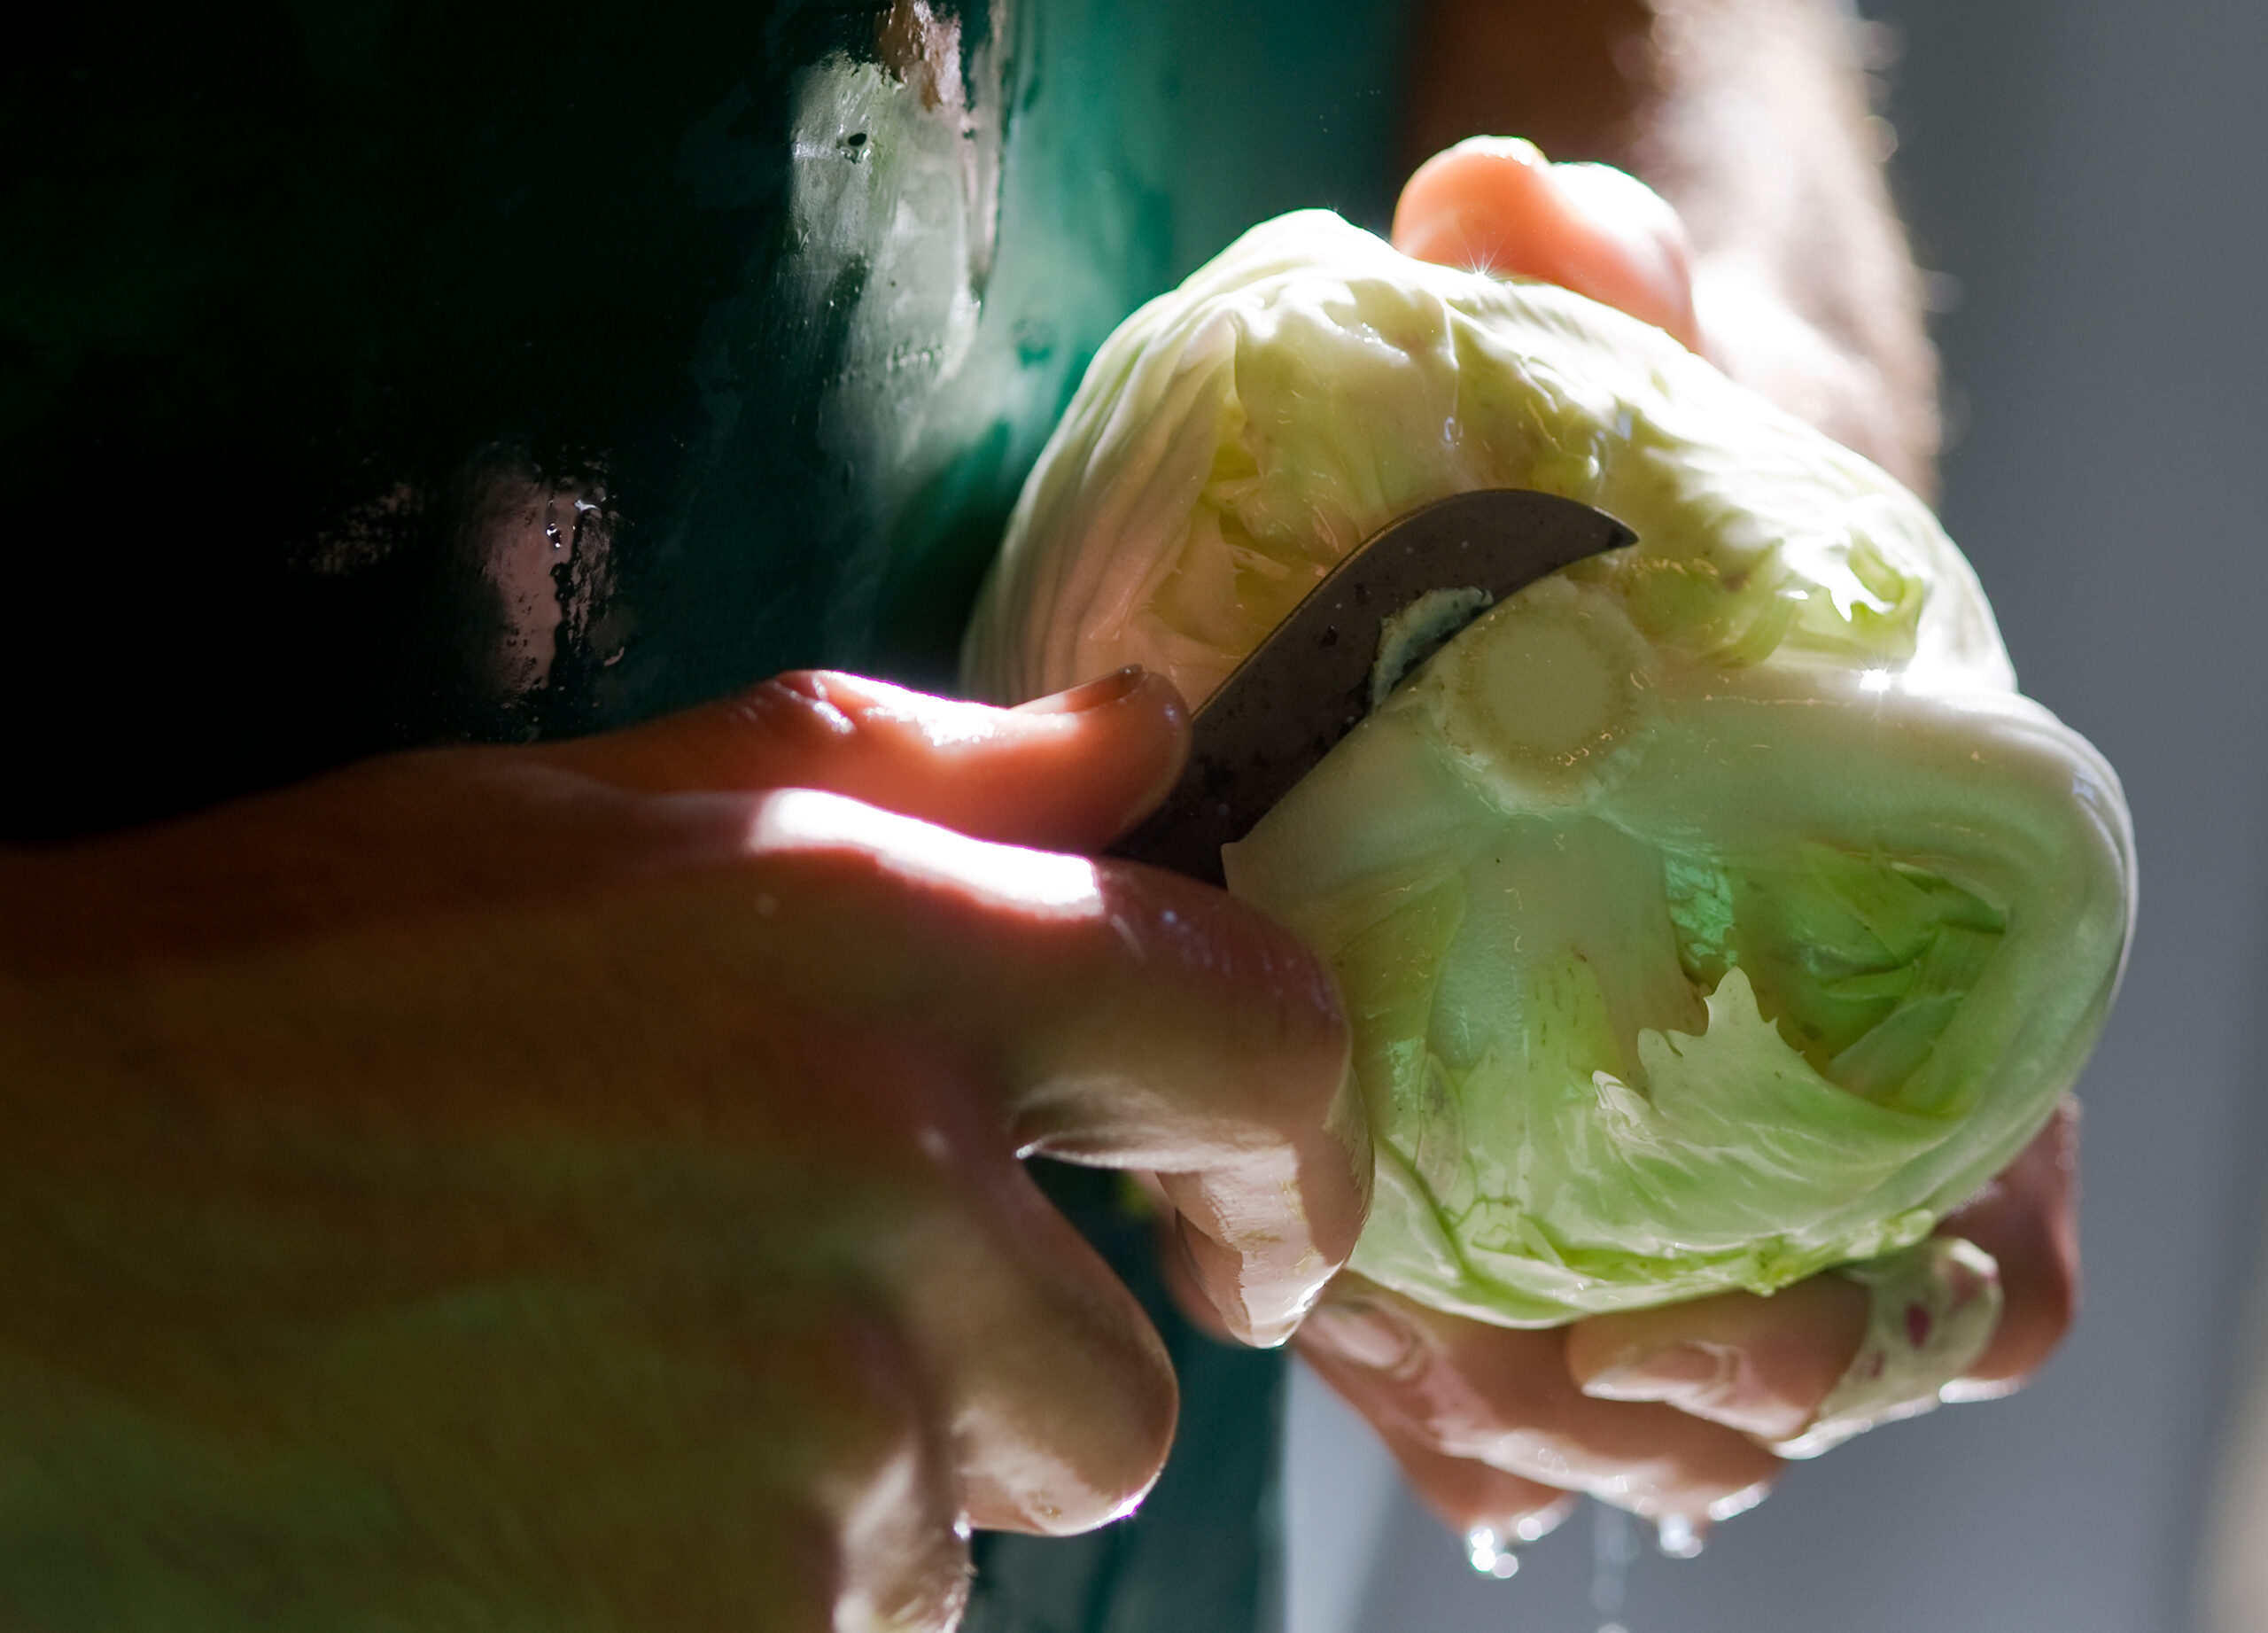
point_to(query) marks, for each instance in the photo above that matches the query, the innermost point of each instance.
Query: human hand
(1674, 1412)
(1680, 1412)
(577, 1186)
(1497, 205)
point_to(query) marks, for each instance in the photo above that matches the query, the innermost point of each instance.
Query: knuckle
(1358, 1324)
(798, 703)
(794, 719)
(800, 835)
(1063, 1425)
(1276, 999)
(844, 859)
(845, 1378)
(876, 1493)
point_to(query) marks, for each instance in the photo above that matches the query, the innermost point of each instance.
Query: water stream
(1614, 1549)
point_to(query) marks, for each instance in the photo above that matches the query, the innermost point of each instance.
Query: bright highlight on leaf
(1709, 913)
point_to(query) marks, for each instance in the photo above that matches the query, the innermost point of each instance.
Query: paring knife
(1398, 599)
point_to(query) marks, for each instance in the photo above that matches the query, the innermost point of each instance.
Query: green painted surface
(313, 318)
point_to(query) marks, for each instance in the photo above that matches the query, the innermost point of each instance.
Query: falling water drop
(1681, 1538)
(1489, 1554)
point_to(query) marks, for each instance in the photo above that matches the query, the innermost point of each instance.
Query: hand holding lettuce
(1709, 914)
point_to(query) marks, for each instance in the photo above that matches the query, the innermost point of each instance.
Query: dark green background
(274, 273)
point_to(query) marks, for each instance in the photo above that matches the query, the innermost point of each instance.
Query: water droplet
(1488, 1554)
(1679, 1537)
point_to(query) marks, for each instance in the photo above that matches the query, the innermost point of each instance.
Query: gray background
(2094, 174)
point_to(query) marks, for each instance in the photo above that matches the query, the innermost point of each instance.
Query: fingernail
(1490, 1554)
(1710, 1380)
(1363, 1332)
(1262, 1298)
(808, 688)
(1682, 1372)
(1091, 695)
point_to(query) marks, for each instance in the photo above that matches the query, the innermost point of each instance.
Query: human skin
(1781, 262)
(578, 1186)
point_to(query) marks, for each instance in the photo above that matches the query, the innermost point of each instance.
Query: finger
(1060, 1394)
(2027, 1220)
(901, 1561)
(1128, 1017)
(1760, 1365)
(866, 1534)
(1176, 1270)
(1505, 1396)
(1494, 204)
(1244, 1107)
(1496, 1513)
(1070, 772)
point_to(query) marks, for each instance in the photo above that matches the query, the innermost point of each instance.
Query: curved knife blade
(1305, 687)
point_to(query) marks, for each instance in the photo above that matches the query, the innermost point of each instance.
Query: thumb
(1070, 772)
(1493, 202)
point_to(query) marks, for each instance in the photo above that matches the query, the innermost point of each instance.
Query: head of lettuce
(1709, 913)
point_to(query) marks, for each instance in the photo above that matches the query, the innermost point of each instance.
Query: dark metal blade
(1306, 686)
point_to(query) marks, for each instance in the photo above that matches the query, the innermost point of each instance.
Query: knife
(1398, 599)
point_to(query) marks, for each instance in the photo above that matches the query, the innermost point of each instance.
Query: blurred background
(2090, 178)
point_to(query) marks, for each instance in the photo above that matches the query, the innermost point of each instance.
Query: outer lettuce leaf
(1235, 438)
(1708, 913)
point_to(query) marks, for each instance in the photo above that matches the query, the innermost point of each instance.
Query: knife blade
(1399, 597)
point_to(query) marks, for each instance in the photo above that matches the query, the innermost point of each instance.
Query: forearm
(1750, 116)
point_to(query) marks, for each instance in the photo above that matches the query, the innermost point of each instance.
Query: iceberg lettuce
(1709, 913)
